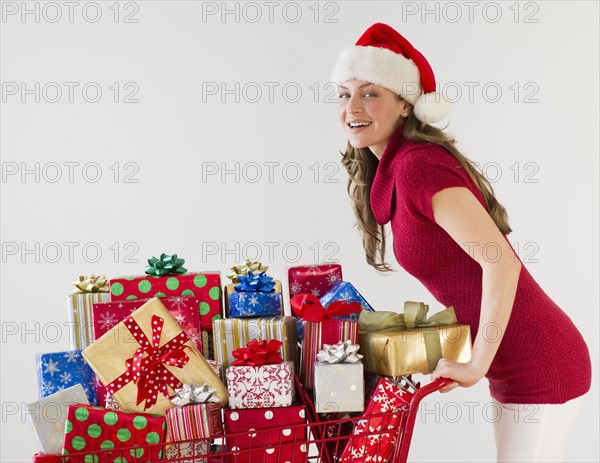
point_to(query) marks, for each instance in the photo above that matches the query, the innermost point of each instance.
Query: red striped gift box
(318, 333)
(197, 421)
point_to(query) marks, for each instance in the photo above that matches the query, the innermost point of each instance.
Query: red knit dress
(542, 357)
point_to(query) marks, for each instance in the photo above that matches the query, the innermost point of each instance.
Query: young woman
(450, 232)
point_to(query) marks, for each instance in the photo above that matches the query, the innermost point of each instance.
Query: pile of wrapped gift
(167, 364)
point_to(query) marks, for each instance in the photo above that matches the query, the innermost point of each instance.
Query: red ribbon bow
(258, 353)
(309, 308)
(147, 367)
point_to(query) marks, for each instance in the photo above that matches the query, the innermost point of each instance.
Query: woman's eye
(343, 95)
(369, 94)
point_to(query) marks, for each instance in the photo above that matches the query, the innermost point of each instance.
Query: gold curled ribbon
(414, 316)
(91, 284)
(243, 269)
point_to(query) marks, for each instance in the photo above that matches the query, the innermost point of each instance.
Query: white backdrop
(209, 129)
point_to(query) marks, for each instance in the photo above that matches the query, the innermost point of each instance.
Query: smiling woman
(445, 218)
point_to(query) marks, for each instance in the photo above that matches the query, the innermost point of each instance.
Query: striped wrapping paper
(197, 421)
(232, 333)
(80, 317)
(318, 333)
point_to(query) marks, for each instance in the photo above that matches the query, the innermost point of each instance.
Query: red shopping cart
(315, 441)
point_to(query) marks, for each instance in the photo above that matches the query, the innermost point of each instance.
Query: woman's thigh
(534, 432)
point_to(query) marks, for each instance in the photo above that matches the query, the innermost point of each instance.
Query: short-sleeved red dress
(542, 358)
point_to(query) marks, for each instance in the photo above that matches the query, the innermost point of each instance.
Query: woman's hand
(463, 374)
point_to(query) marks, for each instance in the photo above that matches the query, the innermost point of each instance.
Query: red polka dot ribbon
(147, 367)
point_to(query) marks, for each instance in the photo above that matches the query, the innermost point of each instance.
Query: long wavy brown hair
(361, 165)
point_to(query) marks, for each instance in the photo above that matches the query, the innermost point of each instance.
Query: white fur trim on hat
(431, 107)
(379, 66)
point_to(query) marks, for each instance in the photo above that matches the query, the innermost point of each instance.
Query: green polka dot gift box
(204, 285)
(94, 434)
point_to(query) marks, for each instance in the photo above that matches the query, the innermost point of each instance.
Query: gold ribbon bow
(243, 269)
(380, 350)
(414, 316)
(91, 284)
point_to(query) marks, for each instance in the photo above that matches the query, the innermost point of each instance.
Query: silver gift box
(339, 387)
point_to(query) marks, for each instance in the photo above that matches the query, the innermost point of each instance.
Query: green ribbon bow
(165, 265)
(414, 316)
(90, 284)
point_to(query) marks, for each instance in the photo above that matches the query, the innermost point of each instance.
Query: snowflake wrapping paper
(261, 387)
(60, 370)
(80, 317)
(339, 387)
(253, 303)
(49, 415)
(345, 291)
(378, 446)
(204, 285)
(90, 430)
(315, 335)
(313, 279)
(265, 430)
(184, 310)
(232, 333)
(112, 358)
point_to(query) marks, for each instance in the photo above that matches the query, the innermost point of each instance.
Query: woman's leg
(534, 432)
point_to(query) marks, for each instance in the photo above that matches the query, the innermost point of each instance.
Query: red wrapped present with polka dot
(275, 435)
(204, 285)
(90, 429)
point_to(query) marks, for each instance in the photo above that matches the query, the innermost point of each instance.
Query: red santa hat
(383, 57)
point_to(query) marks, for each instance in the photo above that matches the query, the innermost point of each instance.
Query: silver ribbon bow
(341, 352)
(191, 394)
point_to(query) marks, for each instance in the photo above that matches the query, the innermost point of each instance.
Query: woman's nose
(354, 105)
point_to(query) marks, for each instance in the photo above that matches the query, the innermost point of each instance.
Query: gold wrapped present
(143, 359)
(401, 344)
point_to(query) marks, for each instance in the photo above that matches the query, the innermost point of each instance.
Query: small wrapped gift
(256, 295)
(345, 291)
(369, 442)
(166, 277)
(401, 344)
(88, 290)
(339, 382)
(197, 414)
(48, 416)
(314, 279)
(146, 357)
(89, 429)
(319, 329)
(198, 450)
(259, 378)
(276, 435)
(232, 333)
(60, 370)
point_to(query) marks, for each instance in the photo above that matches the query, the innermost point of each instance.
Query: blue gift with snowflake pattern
(60, 370)
(344, 291)
(255, 304)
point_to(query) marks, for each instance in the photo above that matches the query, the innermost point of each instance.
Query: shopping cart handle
(432, 387)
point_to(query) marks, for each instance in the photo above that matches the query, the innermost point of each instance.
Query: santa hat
(385, 58)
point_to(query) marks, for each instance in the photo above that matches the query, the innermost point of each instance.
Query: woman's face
(378, 108)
